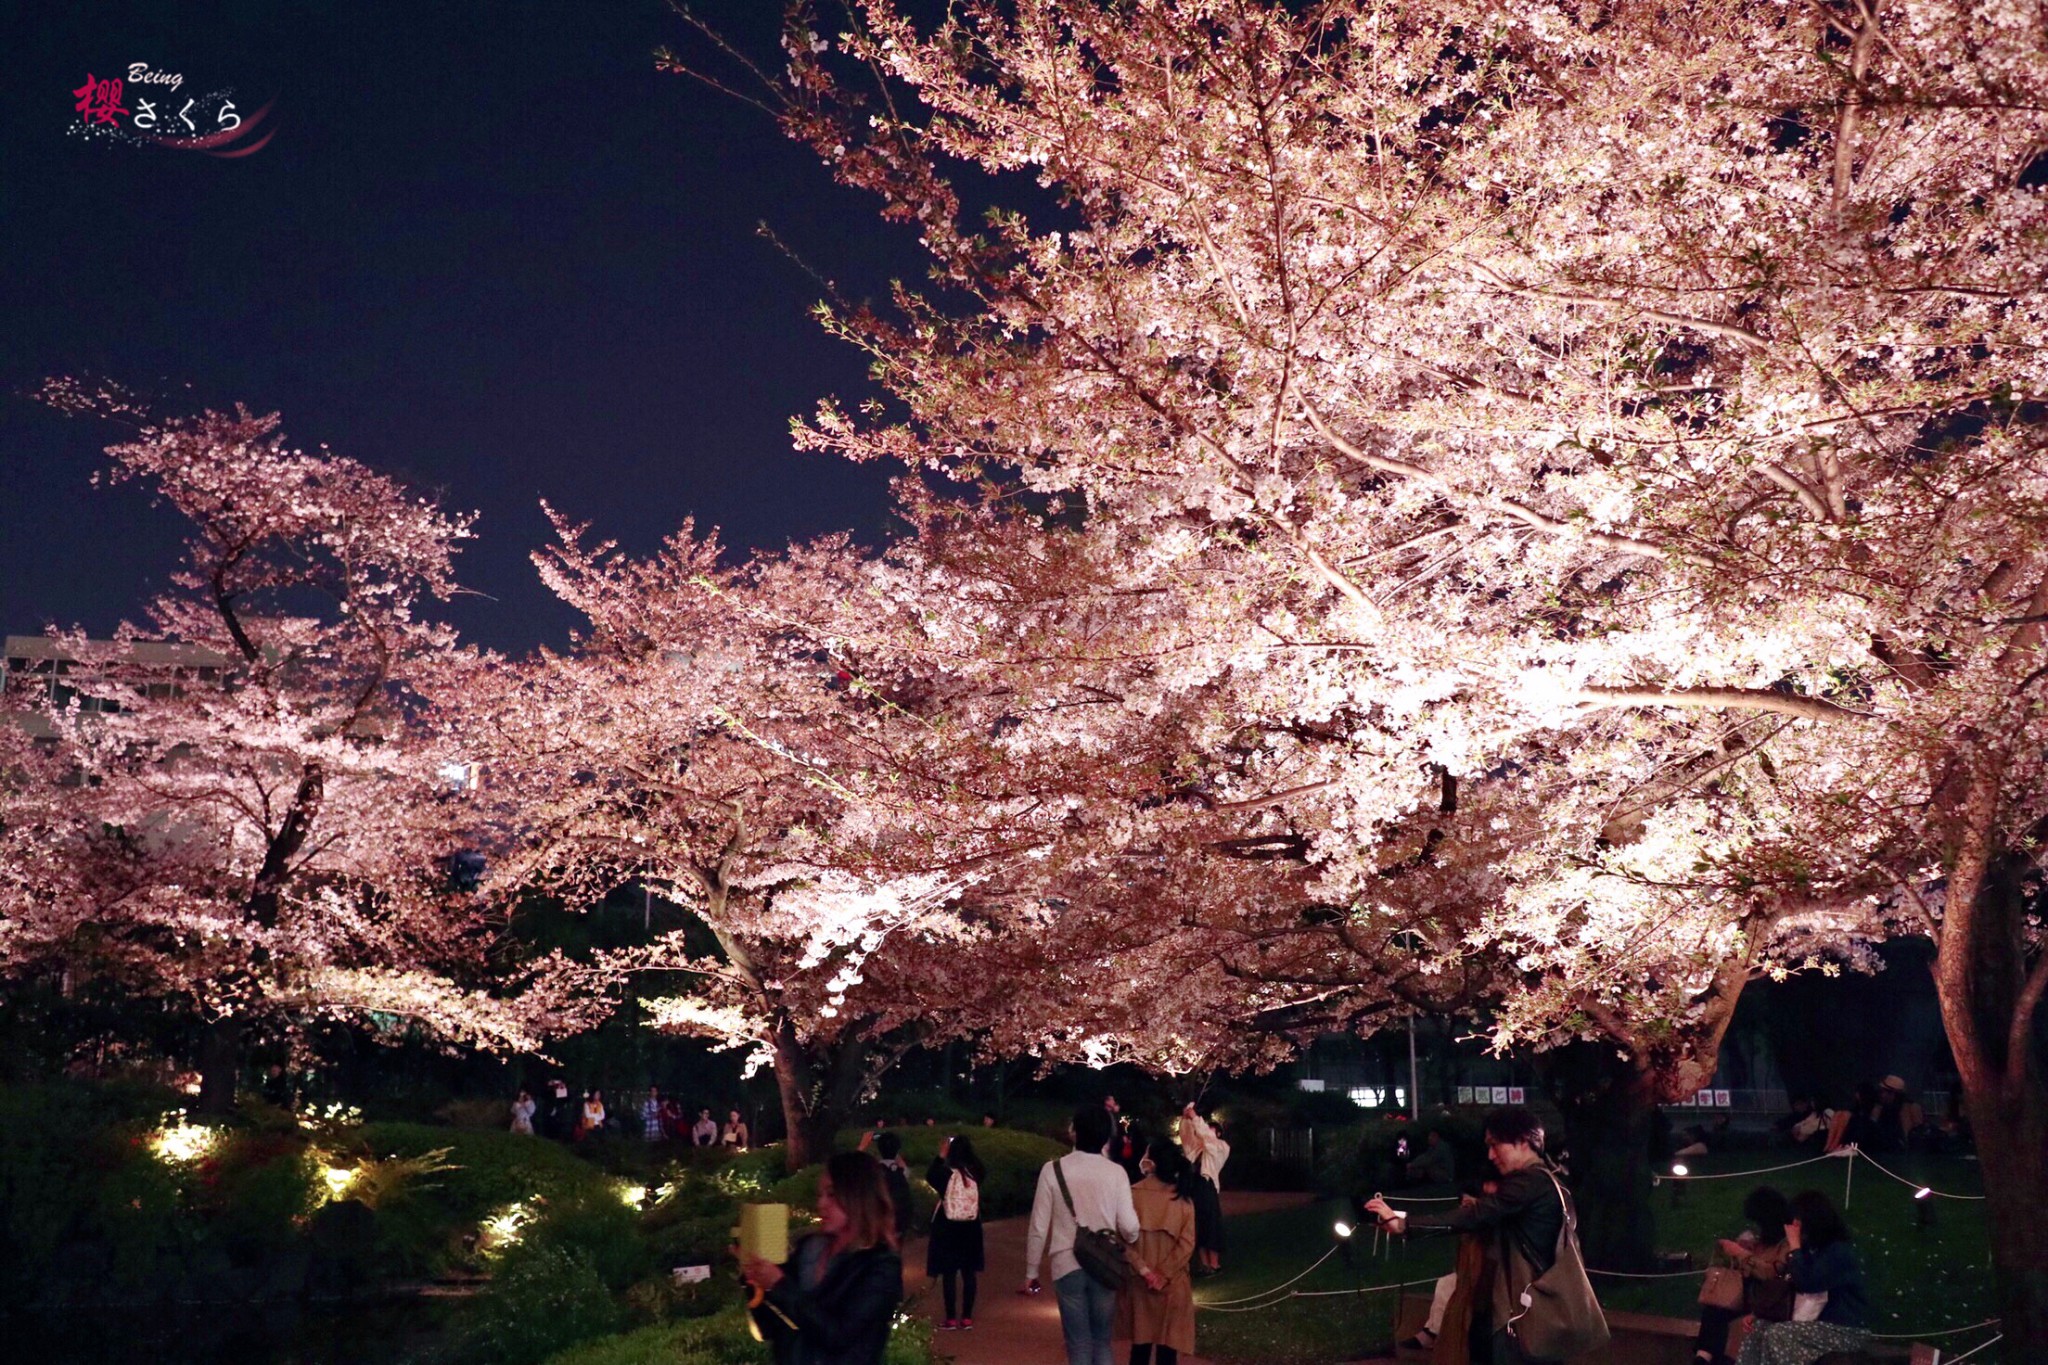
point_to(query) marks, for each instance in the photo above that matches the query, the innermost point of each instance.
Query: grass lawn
(1921, 1278)
(1267, 1249)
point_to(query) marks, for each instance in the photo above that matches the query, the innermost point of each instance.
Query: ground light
(1923, 1207)
(180, 1141)
(1679, 1172)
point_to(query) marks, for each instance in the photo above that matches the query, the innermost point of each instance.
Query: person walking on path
(522, 1114)
(833, 1301)
(1156, 1308)
(1822, 1262)
(1083, 1189)
(1527, 1218)
(1206, 1153)
(955, 1254)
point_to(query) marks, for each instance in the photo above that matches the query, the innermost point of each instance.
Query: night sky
(489, 249)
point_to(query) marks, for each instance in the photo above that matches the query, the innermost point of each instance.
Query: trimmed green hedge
(1013, 1160)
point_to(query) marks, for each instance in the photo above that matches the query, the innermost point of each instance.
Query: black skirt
(954, 1246)
(1208, 1216)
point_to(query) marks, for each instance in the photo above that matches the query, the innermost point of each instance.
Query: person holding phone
(833, 1301)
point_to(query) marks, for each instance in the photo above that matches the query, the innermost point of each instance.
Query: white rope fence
(1974, 1349)
(1761, 1170)
(1942, 1332)
(1920, 1191)
(1292, 1294)
(1276, 1288)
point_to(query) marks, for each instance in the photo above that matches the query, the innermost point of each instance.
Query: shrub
(543, 1298)
(1013, 1160)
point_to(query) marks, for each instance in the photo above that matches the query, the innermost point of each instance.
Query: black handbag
(1100, 1253)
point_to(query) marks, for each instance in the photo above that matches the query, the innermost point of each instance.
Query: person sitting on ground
(833, 1301)
(1821, 1262)
(1526, 1218)
(1760, 1254)
(1156, 1306)
(1898, 1122)
(704, 1132)
(988, 1120)
(1435, 1164)
(1459, 1327)
(1807, 1123)
(593, 1115)
(734, 1134)
(955, 1254)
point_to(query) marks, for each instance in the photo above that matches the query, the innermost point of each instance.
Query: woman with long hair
(1156, 1307)
(1205, 1152)
(1822, 1261)
(833, 1300)
(1760, 1254)
(954, 1256)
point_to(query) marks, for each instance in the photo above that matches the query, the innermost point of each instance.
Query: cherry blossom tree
(238, 802)
(1657, 391)
(706, 740)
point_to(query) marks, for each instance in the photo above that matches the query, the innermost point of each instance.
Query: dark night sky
(490, 250)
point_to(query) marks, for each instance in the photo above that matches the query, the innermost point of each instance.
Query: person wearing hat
(1895, 1119)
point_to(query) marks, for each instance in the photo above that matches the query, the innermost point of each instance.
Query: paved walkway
(1016, 1329)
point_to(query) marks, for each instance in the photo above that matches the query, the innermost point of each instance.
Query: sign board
(1515, 1094)
(1464, 1094)
(1706, 1099)
(1723, 1099)
(1500, 1094)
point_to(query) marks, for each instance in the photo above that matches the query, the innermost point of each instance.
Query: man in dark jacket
(1525, 1216)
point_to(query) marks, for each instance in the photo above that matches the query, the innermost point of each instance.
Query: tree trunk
(1990, 1006)
(1609, 1103)
(2012, 1147)
(220, 1065)
(819, 1084)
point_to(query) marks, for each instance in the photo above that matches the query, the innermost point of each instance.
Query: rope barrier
(1974, 1349)
(1278, 1287)
(1762, 1170)
(1915, 1185)
(1944, 1332)
(1309, 1294)
(1633, 1275)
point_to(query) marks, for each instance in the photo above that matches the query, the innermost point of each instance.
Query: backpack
(1099, 1253)
(961, 1202)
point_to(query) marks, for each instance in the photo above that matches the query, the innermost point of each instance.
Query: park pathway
(1017, 1329)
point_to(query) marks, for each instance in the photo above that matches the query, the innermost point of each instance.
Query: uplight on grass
(180, 1141)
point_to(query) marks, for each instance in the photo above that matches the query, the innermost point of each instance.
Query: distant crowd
(660, 1118)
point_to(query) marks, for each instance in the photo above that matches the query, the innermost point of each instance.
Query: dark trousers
(1141, 1354)
(1714, 1325)
(966, 1279)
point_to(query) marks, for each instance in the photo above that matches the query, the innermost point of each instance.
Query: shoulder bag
(1560, 1315)
(1100, 1253)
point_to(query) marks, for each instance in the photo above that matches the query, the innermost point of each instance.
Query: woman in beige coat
(1156, 1306)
